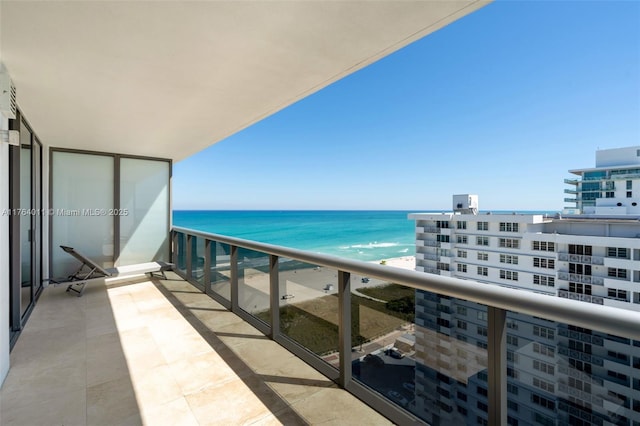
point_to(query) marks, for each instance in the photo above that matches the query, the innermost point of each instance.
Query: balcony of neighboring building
(572, 181)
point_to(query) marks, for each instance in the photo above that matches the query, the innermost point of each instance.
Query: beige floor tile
(59, 315)
(104, 345)
(45, 362)
(176, 338)
(96, 294)
(238, 333)
(153, 304)
(167, 324)
(296, 380)
(346, 409)
(100, 320)
(263, 355)
(63, 408)
(189, 299)
(174, 283)
(123, 307)
(45, 349)
(155, 386)
(237, 402)
(286, 417)
(113, 403)
(105, 359)
(131, 322)
(115, 290)
(26, 386)
(107, 369)
(140, 349)
(186, 346)
(202, 371)
(173, 413)
(234, 362)
(216, 320)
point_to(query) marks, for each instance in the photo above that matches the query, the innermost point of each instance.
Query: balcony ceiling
(168, 79)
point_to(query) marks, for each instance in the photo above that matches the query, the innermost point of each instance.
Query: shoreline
(404, 262)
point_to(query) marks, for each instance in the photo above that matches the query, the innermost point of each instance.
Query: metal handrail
(602, 318)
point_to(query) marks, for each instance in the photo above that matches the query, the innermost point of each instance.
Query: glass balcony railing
(423, 348)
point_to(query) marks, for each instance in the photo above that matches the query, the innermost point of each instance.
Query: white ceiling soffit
(168, 79)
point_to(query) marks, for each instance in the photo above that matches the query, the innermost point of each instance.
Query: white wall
(4, 254)
(618, 156)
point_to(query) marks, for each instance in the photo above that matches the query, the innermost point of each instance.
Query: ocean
(359, 235)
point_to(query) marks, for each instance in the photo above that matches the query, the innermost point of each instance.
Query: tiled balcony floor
(159, 352)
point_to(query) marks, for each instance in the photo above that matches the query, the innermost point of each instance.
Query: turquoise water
(360, 235)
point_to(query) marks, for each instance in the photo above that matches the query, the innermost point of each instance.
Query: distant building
(557, 373)
(612, 187)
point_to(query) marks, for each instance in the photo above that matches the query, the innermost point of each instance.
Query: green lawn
(314, 323)
(388, 292)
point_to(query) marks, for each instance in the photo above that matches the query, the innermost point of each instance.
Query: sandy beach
(305, 283)
(405, 262)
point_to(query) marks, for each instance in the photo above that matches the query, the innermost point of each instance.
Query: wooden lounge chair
(89, 270)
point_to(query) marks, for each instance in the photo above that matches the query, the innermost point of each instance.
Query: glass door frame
(19, 314)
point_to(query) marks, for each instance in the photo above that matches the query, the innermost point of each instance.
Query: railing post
(497, 368)
(173, 253)
(189, 252)
(344, 326)
(234, 278)
(274, 295)
(207, 265)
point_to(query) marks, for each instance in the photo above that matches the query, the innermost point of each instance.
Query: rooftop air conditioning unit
(465, 203)
(8, 105)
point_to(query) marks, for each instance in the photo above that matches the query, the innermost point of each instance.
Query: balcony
(160, 352)
(154, 351)
(577, 258)
(581, 297)
(580, 278)
(431, 329)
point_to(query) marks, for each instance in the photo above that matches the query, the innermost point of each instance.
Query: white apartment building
(558, 373)
(611, 187)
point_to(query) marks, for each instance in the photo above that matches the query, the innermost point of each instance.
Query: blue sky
(500, 103)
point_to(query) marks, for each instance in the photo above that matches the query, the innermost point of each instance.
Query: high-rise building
(608, 188)
(557, 373)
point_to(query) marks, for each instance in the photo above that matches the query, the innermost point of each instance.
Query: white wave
(374, 245)
(404, 251)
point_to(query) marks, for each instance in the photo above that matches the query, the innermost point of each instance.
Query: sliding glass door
(25, 192)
